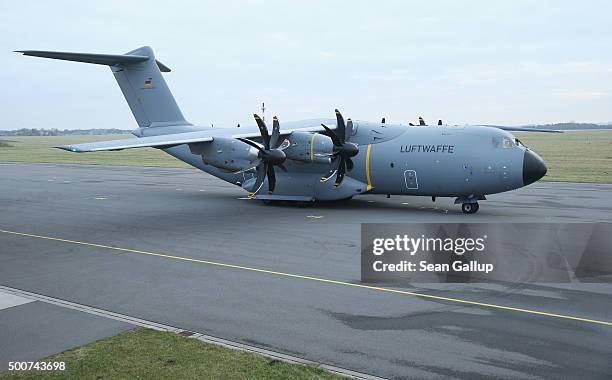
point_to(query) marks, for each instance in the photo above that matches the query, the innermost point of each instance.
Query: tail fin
(138, 74)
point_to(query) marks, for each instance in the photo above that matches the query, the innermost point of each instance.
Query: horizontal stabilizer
(99, 59)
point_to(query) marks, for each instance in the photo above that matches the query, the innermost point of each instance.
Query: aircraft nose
(534, 167)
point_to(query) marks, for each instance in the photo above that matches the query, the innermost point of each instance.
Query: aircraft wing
(142, 142)
(524, 129)
(166, 141)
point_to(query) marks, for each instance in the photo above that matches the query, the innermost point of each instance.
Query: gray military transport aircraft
(314, 159)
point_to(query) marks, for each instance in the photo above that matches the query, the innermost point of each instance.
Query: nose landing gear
(470, 208)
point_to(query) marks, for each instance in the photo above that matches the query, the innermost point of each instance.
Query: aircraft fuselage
(443, 161)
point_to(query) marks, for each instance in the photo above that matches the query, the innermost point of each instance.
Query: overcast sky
(511, 62)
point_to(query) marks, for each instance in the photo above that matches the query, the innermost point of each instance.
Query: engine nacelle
(225, 153)
(309, 147)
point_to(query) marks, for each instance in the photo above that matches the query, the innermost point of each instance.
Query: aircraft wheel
(470, 208)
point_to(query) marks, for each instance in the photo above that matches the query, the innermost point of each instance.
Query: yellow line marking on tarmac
(318, 279)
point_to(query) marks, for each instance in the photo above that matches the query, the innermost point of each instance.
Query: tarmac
(182, 248)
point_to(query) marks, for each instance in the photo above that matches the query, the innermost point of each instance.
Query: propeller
(268, 156)
(343, 150)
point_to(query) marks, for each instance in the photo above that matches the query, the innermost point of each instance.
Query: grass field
(40, 149)
(149, 354)
(581, 156)
(576, 156)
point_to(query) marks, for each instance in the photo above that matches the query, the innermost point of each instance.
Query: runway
(173, 223)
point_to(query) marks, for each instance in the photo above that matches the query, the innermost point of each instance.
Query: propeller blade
(341, 160)
(261, 175)
(271, 179)
(349, 129)
(341, 171)
(275, 138)
(283, 167)
(331, 134)
(263, 130)
(341, 126)
(349, 164)
(327, 132)
(251, 143)
(334, 169)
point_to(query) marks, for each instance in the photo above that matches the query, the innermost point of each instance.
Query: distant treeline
(571, 126)
(65, 132)
(567, 126)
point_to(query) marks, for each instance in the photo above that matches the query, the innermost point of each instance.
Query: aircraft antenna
(263, 111)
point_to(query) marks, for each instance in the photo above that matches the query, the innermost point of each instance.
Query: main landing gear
(469, 204)
(470, 208)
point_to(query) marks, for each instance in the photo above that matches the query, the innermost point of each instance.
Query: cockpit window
(504, 142)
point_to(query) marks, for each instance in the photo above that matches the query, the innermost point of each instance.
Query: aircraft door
(411, 180)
